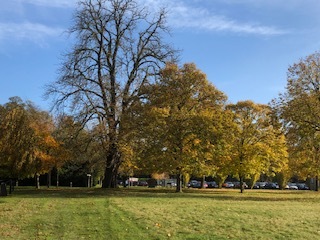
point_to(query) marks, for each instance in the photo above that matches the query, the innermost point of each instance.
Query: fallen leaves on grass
(158, 225)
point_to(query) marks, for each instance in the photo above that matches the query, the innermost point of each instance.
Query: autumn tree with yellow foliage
(299, 110)
(26, 143)
(258, 147)
(178, 123)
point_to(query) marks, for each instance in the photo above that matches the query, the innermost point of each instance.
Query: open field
(142, 213)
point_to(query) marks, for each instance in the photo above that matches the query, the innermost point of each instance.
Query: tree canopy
(179, 120)
(120, 48)
(299, 110)
(126, 106)
(259, 147)
(26, 142)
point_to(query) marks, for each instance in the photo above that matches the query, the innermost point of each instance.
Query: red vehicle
(228, 185)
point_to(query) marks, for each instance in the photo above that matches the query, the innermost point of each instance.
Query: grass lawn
(142, 213)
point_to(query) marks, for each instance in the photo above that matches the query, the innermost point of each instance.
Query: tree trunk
(220, 180)
(57, 177)
(49, 179)
(124, 179)
(186, 179)
(112, 166)
(241, 173)
(11, 186)
(37, 178)
(179, 182)
(203, 181)
(111, 173)
(241, 184)
(283, 180)
(110, 177)
(317, 183)
(253, 180)
(3, 189)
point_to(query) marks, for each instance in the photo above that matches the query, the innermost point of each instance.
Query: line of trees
(186, 127)
(130, 108)
(34, 143)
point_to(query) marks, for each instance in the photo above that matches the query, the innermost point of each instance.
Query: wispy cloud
(183, 15)
(33, 32)
(51, 3)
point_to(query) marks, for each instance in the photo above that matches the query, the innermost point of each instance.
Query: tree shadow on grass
(59, 193)
(231, 195)
(169, 193)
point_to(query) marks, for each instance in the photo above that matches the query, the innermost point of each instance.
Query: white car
(292, 186)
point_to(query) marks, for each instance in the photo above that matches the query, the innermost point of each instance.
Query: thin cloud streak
(33, 32)
(51, 3)
(185, 17)
(182, 15)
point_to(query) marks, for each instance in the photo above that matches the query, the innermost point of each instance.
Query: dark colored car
(212, 184)
(237, 185)
(197, 184)
(271, 185)
(302, 186)
(193, 183)
(143, 183)
(259, 185)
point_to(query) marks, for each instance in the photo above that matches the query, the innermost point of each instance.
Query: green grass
(142, 213)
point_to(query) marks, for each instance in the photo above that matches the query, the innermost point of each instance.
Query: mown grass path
(142, 213)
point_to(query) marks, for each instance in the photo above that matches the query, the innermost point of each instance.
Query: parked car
(271, 185)
(228, 185)
(237, 185)
(292, 186)
(259, 185)
(212, 184)
(302, 186)
(193, 183)
(171, 184)
(142, 183)
(205, 184)
(197, 184)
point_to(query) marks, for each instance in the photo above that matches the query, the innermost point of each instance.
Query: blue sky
(244, 46)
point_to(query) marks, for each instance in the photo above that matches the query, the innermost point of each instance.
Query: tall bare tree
(119, 48)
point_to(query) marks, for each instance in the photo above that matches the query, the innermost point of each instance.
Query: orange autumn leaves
(27, 144)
